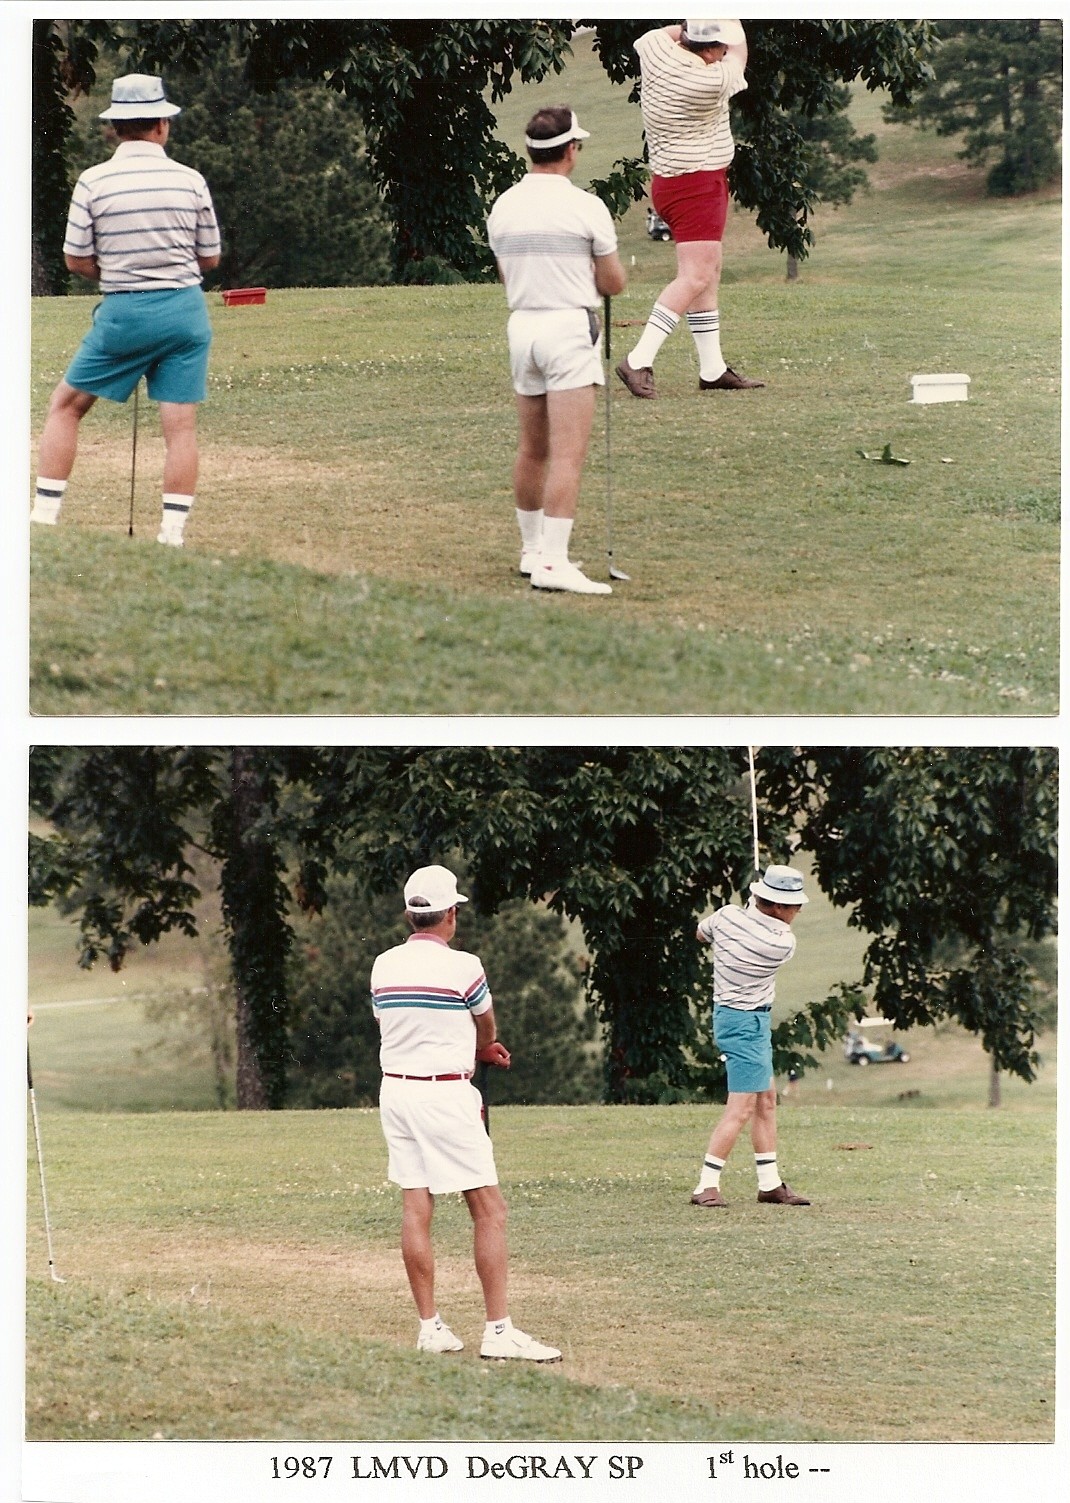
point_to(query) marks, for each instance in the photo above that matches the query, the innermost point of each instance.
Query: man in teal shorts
(145, 228)
(749, 947)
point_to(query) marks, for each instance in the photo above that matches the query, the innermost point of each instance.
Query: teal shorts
(746, 1039)
(164, 336)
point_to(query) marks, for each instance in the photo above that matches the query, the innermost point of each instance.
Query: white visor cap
(713, 33)
(575, 132)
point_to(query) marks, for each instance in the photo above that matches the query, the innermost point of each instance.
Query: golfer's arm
(486, 1029)
(84, 266)
(609, 275)
(739, 51)
(208, 263)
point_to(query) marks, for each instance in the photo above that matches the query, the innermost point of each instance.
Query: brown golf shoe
(783, 1195)
(710, 1197)
(730, 381)
(640, 383)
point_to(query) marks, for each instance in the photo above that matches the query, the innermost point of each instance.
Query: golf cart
(863, 1048)
(656, 227)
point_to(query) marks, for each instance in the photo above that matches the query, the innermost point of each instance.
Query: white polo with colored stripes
(426, 998)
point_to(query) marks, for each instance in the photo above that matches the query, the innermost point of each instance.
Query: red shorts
(694, 206)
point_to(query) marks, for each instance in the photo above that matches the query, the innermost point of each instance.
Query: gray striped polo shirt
(685, 106)
(544, 232)
(145, 218)
(749, 948)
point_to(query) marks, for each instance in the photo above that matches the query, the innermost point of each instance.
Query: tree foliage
(999, 85)
(426, 90)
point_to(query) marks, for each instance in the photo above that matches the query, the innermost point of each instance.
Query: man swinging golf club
(556, 249)
(144, 226)
(436, 1018)
(749, 947)
(689, 75)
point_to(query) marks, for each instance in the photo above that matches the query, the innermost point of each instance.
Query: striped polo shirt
(685, 106)
(543, 232)
(749, 947)
(425, 996)
(145, 218)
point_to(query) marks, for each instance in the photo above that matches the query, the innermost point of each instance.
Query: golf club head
(615, 573)
(56, 1279)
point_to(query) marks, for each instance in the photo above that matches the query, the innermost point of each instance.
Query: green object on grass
(884, 457)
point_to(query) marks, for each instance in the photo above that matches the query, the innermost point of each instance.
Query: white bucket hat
(781, 884)
(713, 34)
(139, 96)
(432, 889)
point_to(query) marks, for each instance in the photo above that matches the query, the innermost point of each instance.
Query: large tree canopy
(426, 90)
(929, 849)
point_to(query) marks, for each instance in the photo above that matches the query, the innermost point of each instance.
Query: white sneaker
(170, 539)
(562, 574)
(47, 517)
(514, 1343)
(529, 557)
(441, 1339)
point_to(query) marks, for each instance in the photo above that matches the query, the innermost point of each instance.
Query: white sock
(556, 532)
(768, 1173)
(176, 508)
(706, 332)
(531, 525)
(659, 326)
(434, 1324)
(710, 1178)
(497, 1327)
(47, 501)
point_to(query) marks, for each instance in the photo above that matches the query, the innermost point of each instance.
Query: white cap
(713, 34)
(575, 132)
(781, 884)
(139, 96)
(432, 889)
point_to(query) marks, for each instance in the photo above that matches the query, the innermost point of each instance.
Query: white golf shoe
(46, 516)
(500, 1346)
(562, 574)
(529, 557)
(170, 539)
(441, 1339)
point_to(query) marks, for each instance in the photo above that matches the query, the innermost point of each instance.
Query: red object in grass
(235, 297)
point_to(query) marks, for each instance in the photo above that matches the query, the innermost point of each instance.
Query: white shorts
(552, 351)
(435, 1136)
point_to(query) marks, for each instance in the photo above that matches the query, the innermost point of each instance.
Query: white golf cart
(656, 227)
(862, 1045)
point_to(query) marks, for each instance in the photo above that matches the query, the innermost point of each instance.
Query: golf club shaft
(481, 1086)
(133, 462)
(41, 1170)
(754, 811)
(607, 315)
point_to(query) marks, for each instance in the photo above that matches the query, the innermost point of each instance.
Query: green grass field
(355, 501)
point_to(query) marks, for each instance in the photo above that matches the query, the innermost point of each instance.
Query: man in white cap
(144, 227)
(436, 1018)
(556, 249)
(689, 75)
(749, 947)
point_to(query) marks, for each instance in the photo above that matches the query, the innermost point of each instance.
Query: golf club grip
(607, 307)
(29, 1072)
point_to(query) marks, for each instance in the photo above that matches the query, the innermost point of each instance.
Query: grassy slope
(237, 1275)
(355, 498)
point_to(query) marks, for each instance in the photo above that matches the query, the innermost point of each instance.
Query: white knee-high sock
(768, 1173)
(706, 332)
(530, 524)
(659, 326)
(556, 532)
(176, 510)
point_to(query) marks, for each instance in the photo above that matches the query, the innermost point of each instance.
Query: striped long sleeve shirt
(145, 218)
(685, 105)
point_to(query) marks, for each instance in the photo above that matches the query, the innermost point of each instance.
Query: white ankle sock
(706, 332)
(659, 326)
(434, 1324)
(48, 501)
(768, 1173)
(497, 1327)
(556, 532)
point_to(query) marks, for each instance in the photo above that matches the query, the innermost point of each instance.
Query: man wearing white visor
(556, 249)
(436, 1018)
(749, 947)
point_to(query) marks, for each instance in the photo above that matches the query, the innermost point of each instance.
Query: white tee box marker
(940, 388)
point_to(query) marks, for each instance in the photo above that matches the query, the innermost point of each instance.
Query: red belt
(465, 1075)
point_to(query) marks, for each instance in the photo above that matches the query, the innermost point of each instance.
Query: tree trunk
(793, 268)
(250, 1093)
(995, 1088)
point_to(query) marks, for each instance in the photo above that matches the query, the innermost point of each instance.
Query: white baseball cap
(781, 884)
(700, 34)
(139, 96)
(432, 889)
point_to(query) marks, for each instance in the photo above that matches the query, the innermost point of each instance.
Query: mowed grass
(353, 548)
(237, 1276)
